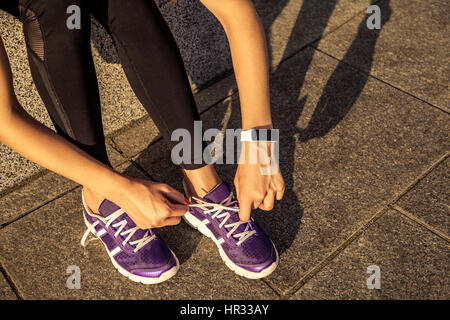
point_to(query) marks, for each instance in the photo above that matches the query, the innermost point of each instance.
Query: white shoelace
(218, 211)
(139, 243)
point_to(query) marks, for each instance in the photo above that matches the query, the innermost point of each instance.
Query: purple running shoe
(243, 246)
(140, 255)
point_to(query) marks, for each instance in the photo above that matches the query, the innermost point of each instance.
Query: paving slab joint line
(231, 92)
(356, 234)
(272, 286)
(289, 293)
(213, 81)
(136, 122)
(11, 283)
(113, 145)
(412, 217)
(24, 182)
(310, 43)
(133, 123)
(43, 171)
(196, 91)
(62, 194)
(142, 170)
(381, 80)
(420, 178)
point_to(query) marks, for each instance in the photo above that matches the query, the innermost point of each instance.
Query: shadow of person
(346, 84)
(284, 222)
(339, 95)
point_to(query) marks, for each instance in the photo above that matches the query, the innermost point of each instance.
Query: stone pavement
(364, 150)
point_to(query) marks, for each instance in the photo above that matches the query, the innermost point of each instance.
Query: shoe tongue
(218, 194)
(107, 208)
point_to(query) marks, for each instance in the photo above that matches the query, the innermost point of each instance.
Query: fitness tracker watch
(259, 135)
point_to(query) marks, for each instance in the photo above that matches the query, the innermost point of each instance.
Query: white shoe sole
(145, 280)
(195, 223)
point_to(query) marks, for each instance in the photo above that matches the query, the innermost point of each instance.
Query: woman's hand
(149, 204)
(257, 184)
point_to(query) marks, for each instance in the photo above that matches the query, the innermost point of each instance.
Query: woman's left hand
(257, 184)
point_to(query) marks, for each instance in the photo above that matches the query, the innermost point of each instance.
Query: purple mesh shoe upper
(256, 252)
(151, 260)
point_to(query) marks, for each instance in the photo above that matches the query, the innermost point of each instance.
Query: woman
(120, 210)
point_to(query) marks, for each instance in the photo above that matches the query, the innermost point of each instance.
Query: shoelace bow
(220, 210)
(120, 225)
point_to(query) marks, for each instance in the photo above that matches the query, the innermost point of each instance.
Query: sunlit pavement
(364, 143)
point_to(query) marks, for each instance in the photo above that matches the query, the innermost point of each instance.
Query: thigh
(63, 70)
(154, 67)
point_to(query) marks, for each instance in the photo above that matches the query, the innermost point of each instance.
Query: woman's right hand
(149, 204)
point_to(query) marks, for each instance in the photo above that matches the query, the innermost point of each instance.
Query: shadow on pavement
(340, 92)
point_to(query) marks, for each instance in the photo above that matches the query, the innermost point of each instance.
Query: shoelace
(120, 225)
(219, 210)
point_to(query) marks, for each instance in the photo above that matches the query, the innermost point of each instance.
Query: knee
(46, 22)
(32, 30)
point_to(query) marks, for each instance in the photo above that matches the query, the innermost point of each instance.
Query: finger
(178, 210)
(236, 186)
(163, 187)
(277, 184)
(245, 209)
(258, 200)
(144, 225)
(172, 221)
(175, 197)
(268, 202)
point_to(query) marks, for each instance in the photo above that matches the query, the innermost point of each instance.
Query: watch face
(262, 135)
(255, 135)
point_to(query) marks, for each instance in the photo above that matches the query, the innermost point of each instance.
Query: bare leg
(200, 181)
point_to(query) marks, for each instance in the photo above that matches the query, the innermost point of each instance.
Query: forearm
(41, 145)
(247, 42)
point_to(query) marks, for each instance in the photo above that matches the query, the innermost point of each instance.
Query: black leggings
(63, 70)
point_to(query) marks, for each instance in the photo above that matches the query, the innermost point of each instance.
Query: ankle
(201, 181)
(92, 199)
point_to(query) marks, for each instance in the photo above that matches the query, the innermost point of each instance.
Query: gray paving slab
(14, 168)
(36, 191)
(58, 226)
(115, 157)
(202, 41)
(216, 92)
(120, 106)
(144, 132)
(32, 195)
(429, 200)
(413, 264)
(292, 24)
(136, 138)
(200, 38)
(156, 159)
(349, 144)
(5, 290)
(410, 47)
